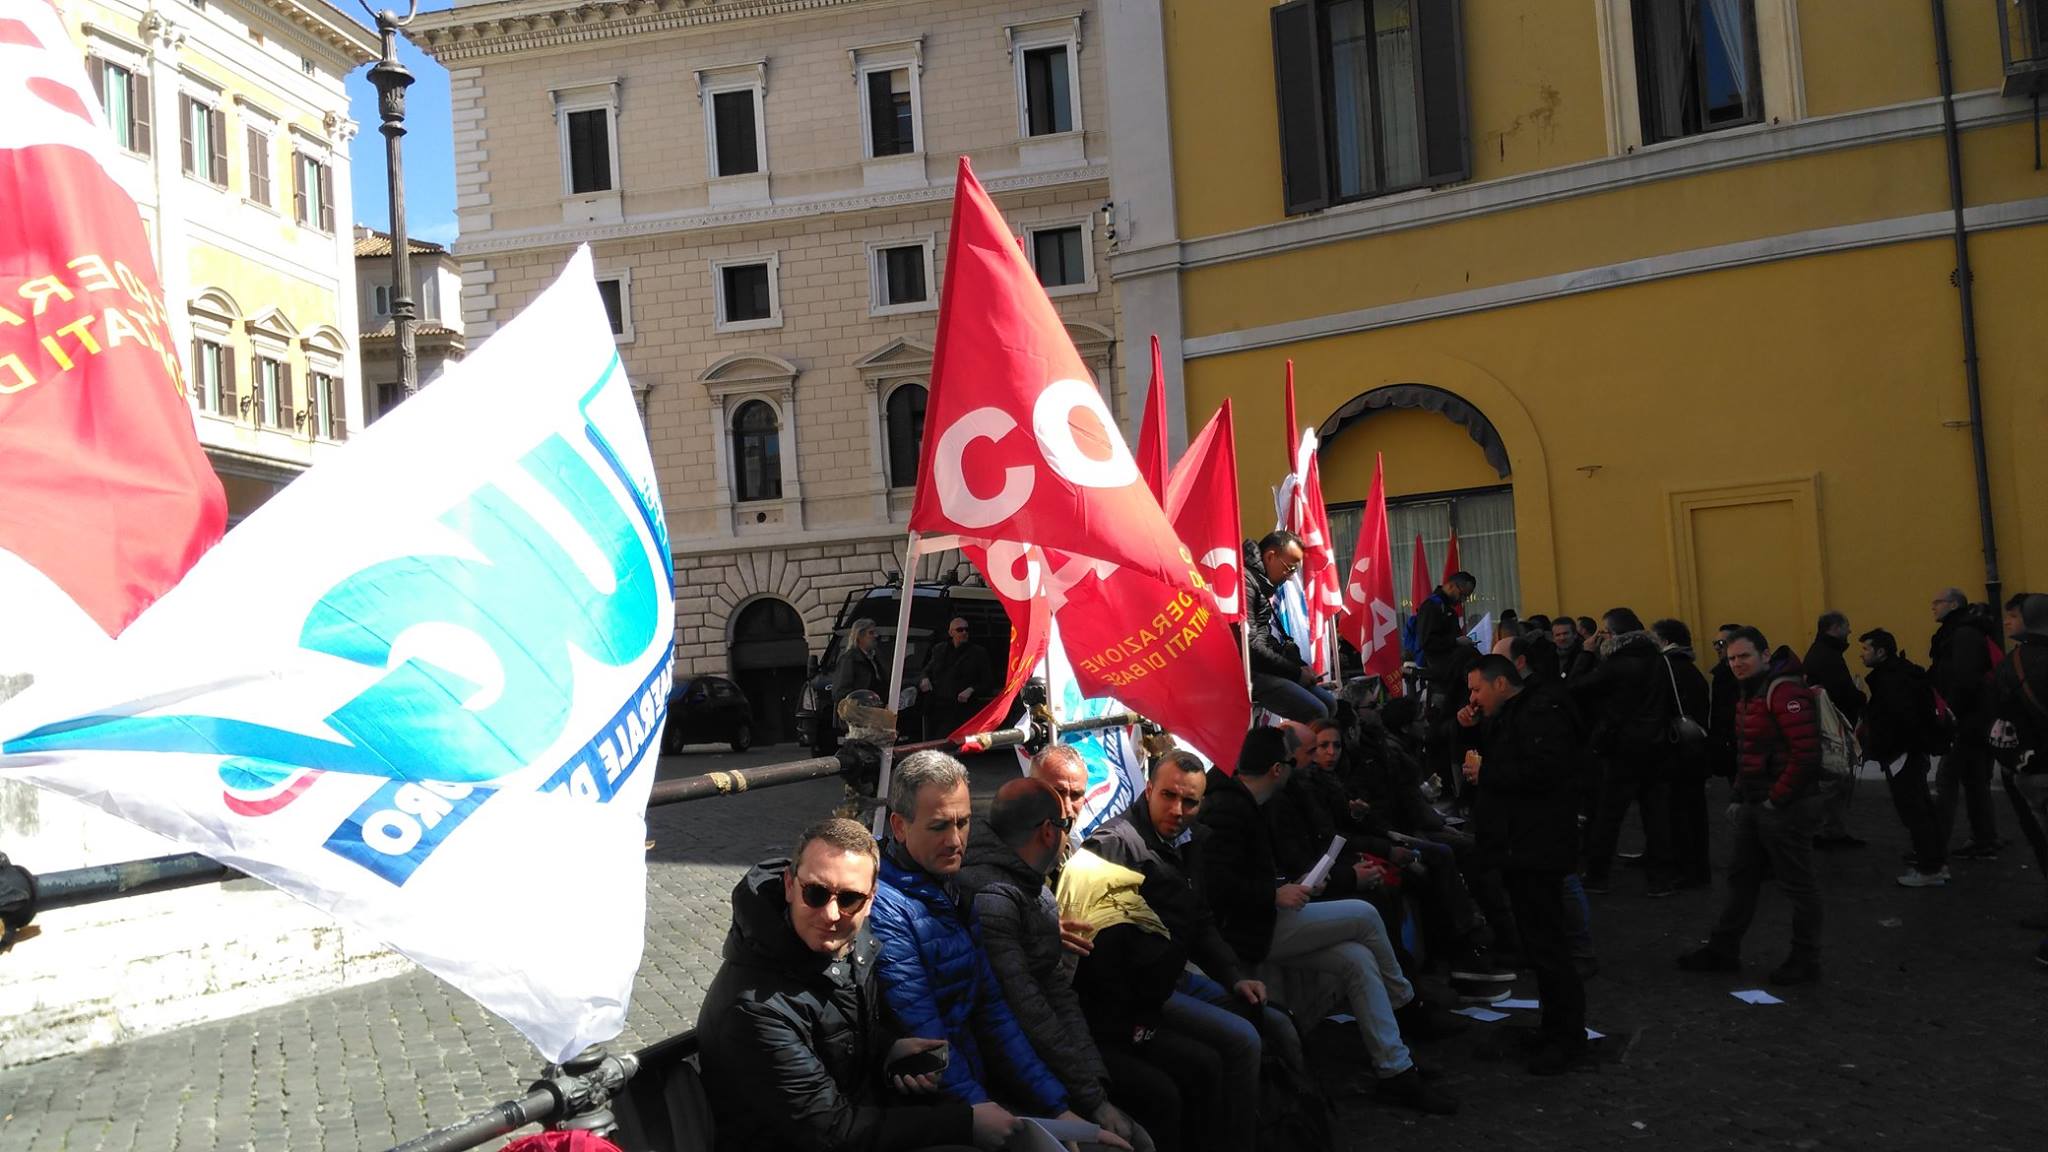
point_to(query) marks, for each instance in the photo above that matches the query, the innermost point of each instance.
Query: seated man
(792, 1043)
(1008, 858)
(935, 978)
(1267, 920)
(1210, 1004)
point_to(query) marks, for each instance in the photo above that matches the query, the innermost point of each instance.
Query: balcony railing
(2023, 45)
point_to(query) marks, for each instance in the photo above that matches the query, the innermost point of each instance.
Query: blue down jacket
(937, 983)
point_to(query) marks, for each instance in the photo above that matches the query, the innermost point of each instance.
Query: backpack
(1411, 635)
(1937, 720)
(1838, 751)
(1294, 1115)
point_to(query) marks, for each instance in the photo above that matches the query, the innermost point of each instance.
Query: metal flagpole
(899, 651)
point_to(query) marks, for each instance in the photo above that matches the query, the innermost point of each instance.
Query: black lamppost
(391, 80)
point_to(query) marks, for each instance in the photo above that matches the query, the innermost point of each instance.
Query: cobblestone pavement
(1925, 1034)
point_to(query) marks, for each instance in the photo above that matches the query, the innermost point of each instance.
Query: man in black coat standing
(1828, 671)
(958, 677)
(1959, 659)
(791, 1029)
(1518, 749)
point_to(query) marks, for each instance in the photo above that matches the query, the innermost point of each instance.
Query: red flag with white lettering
(1018, 443)
(1372, 622)
(1201, 498)
(1152, 429)
(1016, 574)
(107, 493)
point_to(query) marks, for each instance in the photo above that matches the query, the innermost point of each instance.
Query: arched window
(756, 452)
(905, 430)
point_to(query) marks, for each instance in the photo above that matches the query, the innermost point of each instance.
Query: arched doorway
(1447, 472)
(768, 654)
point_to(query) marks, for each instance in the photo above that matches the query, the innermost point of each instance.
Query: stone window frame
(624, 276)
(878, 276)
(324, 352)
(773, 259)
(744, 76)
(730, 382)
(271, 337)
(587, 96)
(1779, 59)
(1091, 282)
(1059, 148)
(214, 315)
(871, 58)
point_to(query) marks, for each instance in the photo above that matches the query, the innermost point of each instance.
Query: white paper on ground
(1341, 1018)
(1592, 1035)
(1483, 1015)
(1755, 996)
(1519, 1004)
(1321, 871)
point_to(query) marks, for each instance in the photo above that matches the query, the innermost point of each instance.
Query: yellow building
(1654, 297)
(232, 130)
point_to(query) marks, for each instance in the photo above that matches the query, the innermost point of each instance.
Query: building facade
(766, 188)
(437, 311)
(232, 130)
(1654, 300)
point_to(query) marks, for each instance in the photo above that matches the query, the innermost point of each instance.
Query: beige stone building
(766, 188)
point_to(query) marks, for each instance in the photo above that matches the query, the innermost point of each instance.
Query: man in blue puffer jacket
(935, 977)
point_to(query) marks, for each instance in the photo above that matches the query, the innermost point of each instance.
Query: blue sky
(429, 147)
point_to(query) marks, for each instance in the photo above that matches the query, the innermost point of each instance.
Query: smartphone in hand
(923, 1063)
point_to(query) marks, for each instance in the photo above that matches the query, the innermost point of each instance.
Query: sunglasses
(818, 895)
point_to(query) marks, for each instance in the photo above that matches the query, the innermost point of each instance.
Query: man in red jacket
(1777, 785)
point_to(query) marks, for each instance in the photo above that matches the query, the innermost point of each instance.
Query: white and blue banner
(1115, 759)
(422, 688)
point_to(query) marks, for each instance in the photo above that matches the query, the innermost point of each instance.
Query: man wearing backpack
(1777, 770)
(1828, 672)
(1961, 662)
(1901, 728)
(2019, 731)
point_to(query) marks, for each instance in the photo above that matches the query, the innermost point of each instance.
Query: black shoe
(1598, 887)
(1709, 959)
(1552, 1059)
(1975, 851)
(1473, 966)
(1659, 891)
(1410, 1091)
(1796, 971)
(1630, 859)
(1424, 1023)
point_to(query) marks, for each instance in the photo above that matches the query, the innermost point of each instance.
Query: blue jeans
(1203, 1009)
(1578, 918)
(1291, 698)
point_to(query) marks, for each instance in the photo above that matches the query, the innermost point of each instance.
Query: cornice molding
(327, 24)
(474, 31)
(697, 220)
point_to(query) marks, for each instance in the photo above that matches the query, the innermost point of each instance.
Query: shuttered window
(124, 94)
(891, 130)
(590, 151)
(259, 167)
(733, 117)
(1371, 98)
(202, 141)
(312, 192)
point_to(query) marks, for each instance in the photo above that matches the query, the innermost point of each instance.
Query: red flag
(107, 493)
(1372, 622)
(1418, 577)
(1201, 498)
(1451, 569)
(1016, 574)
(1293, 426)
(1152, 429)
(1321, 584)
(1019, 445)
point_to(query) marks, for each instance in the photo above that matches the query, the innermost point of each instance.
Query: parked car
(707, 710)
(932, 606)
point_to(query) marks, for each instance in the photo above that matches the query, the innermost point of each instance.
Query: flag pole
(899, 651)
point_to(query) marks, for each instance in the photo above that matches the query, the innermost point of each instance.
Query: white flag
(421, 688)
(1482, 634)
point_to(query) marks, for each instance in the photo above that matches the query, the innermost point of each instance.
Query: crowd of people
(1149, 984)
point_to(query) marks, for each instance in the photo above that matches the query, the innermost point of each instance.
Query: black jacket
(792, 1042)
(1440, 644)
(1901, 709)
(1527, 812)
(1236, 868)
(1626, 700)
(1959, 659)
(1020, 930)
(953, 667)
(1132, 841)
(1311, 810)
(1270, 654)
(1829, 672)
(2011, 702)
(855, 671)
(1724, 691)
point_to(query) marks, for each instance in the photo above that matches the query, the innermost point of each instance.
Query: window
(903, 421)
(306, 65)
(312, 192)
(213, 377)
(746, 290)
(380, 300)
(202, 141)
(618, 305)
(1060, 255)
(902, 277)
(756, 452)
(124, 94)
(259, 167)
(1048, 91)
(892, 127)
(1371, 98)
(1696, 66)
(273, 394)
(590, 150)
(326, 415)
(734, 121)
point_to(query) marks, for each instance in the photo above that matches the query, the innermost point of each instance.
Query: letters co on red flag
(107, 493)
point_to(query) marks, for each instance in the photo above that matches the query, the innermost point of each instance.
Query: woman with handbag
(1690, 756)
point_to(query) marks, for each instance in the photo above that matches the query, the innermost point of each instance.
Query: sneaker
(1475, 967)
(1410, 1091)
(1556, 1059)
(1796, 971)
(1709, 959)
(1919, 879)
(1484, 993)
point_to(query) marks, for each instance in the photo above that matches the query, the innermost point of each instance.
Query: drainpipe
(1993, 588)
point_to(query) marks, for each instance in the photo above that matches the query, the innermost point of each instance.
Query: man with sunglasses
(794, 1048)
(958, 676)
(1008, 858)
(935, 977)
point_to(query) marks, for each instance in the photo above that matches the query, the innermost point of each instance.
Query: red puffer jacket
(1777, 736)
